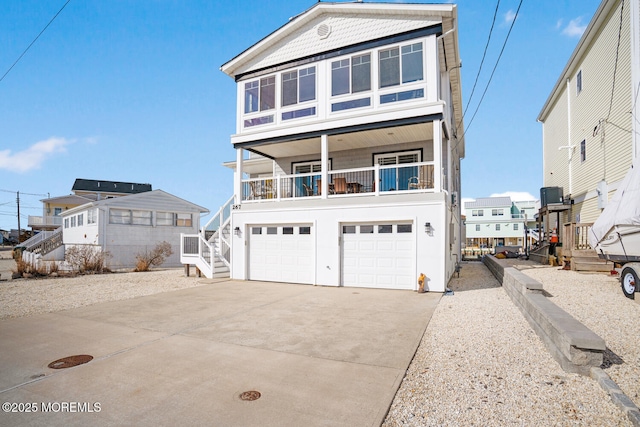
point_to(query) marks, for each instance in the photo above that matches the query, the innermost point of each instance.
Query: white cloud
(574, 28)
(559, 24)
(509, 16)
(34, 156)
(516, 196)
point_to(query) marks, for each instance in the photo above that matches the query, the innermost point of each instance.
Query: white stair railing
(213, 242)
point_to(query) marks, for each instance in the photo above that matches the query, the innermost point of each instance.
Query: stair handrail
(36, 239)
(224, 245)
(219, 218)
(47, 244)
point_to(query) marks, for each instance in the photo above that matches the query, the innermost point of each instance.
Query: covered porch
(392, 159)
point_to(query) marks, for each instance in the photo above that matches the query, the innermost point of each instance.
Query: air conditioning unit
(550, 196)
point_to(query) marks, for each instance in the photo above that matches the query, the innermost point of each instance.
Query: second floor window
(298, 86)
(401, 65)
(351, 75)
(260, 95)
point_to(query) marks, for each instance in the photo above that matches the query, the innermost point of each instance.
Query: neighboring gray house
(127, 225)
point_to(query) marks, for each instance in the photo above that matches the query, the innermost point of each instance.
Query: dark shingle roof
(109, 186)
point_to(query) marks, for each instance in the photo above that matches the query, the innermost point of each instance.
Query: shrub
(27, 270)
(86, 259)
(145, 260)
(23, 268)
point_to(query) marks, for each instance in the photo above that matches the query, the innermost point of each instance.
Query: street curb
(617, 396)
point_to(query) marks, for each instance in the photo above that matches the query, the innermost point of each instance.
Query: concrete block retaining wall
(574, 346)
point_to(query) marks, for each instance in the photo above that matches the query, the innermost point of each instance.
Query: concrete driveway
(319, 356)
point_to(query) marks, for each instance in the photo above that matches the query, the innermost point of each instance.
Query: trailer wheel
(629, 280)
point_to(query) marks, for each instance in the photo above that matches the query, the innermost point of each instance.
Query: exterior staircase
(577, 249)
(210, 250)
(588, 260)
(44, 242)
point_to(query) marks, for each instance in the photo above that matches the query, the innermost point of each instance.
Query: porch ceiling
(350, 141)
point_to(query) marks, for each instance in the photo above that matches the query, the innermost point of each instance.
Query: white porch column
(324, 158)
(437, 155)
(237, 185)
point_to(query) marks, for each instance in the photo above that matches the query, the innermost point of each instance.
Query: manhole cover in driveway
(70, 361)
(250, 395)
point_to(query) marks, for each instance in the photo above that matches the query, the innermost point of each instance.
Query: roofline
(50, 199)
(203, 210)
(318, 8)
(589, 34)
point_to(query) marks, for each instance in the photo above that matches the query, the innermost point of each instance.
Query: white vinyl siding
(607, 144)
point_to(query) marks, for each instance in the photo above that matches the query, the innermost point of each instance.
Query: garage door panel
(404, 246)
(275, 256)
(380, 260)
(366, 245)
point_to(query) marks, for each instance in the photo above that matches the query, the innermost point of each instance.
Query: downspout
(570, 152)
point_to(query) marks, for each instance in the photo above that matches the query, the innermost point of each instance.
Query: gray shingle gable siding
(109, 186)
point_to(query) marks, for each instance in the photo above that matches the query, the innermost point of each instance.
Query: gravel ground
(24, 297)
(480, 363)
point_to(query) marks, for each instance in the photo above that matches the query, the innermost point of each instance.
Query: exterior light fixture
(427, 228)
(236, 231)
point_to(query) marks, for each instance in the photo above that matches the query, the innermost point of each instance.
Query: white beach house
(348, 142)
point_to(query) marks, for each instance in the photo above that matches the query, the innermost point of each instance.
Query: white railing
(194, 249)
(374, 180)
(34, 240)
(222, 216)
(212, 241)
(44, 221)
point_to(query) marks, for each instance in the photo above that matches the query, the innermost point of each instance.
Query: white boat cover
(622, 209)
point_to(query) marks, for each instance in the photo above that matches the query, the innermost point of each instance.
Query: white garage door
(378, 256)
(281, 253)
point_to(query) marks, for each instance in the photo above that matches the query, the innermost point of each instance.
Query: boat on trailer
(615, 236)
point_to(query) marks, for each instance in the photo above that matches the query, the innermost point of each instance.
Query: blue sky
(130, 90)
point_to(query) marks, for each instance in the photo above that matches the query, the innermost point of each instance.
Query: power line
(484, 54)
(494, 70)
(615, 67)
(24, 194)
(34, 40)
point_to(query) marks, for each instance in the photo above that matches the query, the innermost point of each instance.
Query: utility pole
(18, 203)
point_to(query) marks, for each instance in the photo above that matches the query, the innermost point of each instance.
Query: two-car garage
(373, 255)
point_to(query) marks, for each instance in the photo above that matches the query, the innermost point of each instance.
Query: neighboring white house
(497, 221)
(352, 117)
(590, 121)
(127, 225)
(84, 190)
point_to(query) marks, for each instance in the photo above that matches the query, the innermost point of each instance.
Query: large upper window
(351, 75)
(260, 95)
(298, 86)
(401, 65)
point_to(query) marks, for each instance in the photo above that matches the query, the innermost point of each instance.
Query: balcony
(398, 178)
(45, 222)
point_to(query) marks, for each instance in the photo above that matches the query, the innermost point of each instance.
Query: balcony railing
(374, 180)
(45, 221)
